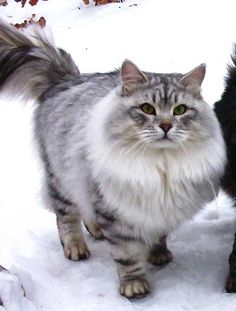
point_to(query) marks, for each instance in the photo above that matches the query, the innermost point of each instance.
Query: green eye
(148, 109)
(181, 109)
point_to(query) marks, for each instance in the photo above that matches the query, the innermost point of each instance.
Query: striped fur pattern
(115, 152)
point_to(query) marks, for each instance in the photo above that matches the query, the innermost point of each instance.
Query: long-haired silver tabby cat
(133, 154)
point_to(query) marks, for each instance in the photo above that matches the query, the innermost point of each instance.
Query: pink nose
(166, 127)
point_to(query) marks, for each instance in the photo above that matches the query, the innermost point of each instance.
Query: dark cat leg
(231, 281)
(69, 226)
(159, 253)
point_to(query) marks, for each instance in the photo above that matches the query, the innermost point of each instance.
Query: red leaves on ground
(33, 2)
(23, 2)
(41, 22)
(101, 1)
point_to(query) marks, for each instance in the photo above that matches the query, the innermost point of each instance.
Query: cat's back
(87, 87)
(63, 105)
(62, 114)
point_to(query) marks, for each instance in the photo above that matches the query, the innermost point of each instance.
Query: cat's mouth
(165, 137)
(163, 142)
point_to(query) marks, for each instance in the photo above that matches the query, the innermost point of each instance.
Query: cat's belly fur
(156, 208)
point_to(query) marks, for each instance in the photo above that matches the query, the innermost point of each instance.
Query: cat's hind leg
(69, 225)
(94, 229)
(159, 254)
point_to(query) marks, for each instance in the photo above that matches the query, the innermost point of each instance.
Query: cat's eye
(181, 109)
(148, 109)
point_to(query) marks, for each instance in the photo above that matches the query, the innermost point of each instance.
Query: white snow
(161, 36)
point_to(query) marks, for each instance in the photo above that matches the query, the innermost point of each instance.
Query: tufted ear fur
(194, 78)
(131, 77)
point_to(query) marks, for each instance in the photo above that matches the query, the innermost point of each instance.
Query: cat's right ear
(131, 77)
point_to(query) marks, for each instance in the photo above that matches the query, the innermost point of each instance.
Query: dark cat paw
(137, 288)
(160, 256)
(230, 285)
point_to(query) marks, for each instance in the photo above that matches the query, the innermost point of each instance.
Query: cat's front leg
(129, 257)
(129, 253)
(159, 254)
(71, 236)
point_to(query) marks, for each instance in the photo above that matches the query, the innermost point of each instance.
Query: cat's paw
(160, 257)
(137, 288)
(230, 285)
(76, 250)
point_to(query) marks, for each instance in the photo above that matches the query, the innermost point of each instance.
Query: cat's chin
(164, 143)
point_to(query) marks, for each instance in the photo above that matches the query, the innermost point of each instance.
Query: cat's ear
(194, 78)
(131, 77)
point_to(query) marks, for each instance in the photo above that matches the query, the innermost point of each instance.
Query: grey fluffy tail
(30, 65)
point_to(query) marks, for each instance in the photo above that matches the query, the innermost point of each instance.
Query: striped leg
(129, 257)
(69, 226)
(231, 281)
(128, 253)
(72, 239)
(159, 253)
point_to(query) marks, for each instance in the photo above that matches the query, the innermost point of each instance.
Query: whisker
(136, 144)
(182, 146)
(145, 148)
(137, 151)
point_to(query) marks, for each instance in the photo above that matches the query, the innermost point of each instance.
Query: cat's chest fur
(151, 195)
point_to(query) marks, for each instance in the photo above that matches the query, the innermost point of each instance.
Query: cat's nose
(166, 127)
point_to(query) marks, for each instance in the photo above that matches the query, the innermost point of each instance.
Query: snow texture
(161, 36)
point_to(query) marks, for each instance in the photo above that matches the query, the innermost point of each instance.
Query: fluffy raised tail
(30, 65)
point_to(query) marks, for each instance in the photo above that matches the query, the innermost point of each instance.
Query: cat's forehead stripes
(165, 94)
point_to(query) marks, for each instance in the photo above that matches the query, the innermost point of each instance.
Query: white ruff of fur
(152, 191)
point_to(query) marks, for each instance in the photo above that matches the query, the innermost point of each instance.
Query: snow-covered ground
(161, 36)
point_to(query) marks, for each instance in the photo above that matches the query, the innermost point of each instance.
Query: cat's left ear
(131, 77)
(194, 78)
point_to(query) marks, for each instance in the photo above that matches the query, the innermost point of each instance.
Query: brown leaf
(104, 1)
(23, 3)
(41, 22)
(3, 2)
(33, 2)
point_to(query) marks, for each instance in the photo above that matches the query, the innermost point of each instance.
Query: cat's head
(160, 110)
